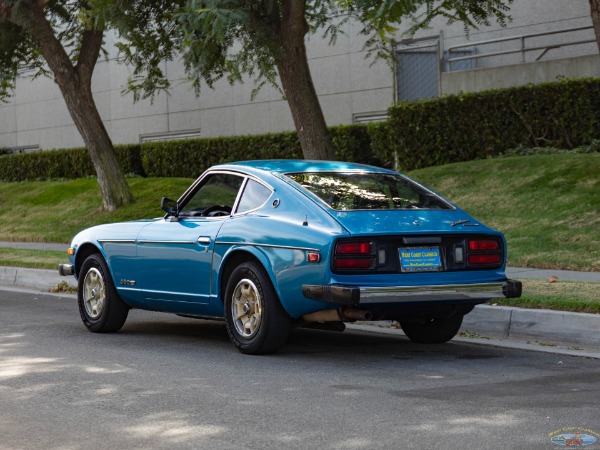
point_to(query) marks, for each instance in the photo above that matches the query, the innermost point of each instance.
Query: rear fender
(286, 268)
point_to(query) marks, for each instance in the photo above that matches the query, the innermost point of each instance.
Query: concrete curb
(534, 324)
(40, 279)
(501, 322)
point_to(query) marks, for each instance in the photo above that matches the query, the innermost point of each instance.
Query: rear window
(355, 191)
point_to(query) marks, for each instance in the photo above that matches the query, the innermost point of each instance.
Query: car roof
(303, 165)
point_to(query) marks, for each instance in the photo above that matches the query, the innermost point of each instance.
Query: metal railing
(522, 49)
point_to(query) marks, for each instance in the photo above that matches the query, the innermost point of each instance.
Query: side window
(215, 197)
(254, 196)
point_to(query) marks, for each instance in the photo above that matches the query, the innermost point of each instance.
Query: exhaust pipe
(337, 315)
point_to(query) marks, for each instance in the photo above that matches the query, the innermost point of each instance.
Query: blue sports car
(270, 245)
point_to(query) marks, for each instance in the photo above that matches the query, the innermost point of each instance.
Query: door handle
(204, 240)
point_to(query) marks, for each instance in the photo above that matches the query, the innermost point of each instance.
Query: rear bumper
(367, 295)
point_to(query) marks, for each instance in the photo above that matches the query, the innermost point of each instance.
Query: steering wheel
(216, 211)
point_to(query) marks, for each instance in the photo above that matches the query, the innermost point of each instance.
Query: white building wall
(347, 84)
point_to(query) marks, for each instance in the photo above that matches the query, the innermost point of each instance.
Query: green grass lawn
(54, 211)
(548, 206)
(32, 259)
(561, 295)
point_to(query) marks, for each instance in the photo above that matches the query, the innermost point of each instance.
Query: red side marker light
(313, 257)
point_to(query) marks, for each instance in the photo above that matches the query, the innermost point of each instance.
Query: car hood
(386, 222)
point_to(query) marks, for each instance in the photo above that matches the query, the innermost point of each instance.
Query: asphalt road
(166, 382)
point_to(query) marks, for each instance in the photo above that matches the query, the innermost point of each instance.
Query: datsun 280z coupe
(269, 245)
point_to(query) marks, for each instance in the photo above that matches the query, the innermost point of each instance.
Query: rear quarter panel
(280, 237)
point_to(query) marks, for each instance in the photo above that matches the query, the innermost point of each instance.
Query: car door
(177, 252)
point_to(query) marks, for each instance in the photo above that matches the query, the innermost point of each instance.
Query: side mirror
(171, 207)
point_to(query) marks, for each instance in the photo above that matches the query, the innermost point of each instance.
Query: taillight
(484, 259)
(483, 244)
(484, 252)
(354, 255)
(356, 248)
(354, 263)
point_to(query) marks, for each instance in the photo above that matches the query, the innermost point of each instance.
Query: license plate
(420, 259)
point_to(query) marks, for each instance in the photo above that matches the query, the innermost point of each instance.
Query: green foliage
(63, 164)
(187, 158)
(148, 37)
(463, 127)
(381, 18)
(18, 48)
(190, 158)
(146, 27)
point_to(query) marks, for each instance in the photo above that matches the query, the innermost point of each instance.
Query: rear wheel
(100, 307)
(432, 331)
(256, 322)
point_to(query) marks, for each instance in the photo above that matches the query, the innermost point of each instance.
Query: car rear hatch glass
(352, 191)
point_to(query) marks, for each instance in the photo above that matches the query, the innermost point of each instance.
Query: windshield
(373, 190)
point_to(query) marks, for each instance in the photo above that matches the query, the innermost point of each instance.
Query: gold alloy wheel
(94, 293)
(246, 308)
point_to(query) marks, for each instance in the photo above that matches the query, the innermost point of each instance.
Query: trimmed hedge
(63, 164)
(464, 127)
(187, 158)
(191, 157)
(455, 128)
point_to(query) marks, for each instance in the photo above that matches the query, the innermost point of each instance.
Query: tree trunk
(595, 12)
(297, 84)
(75, 83)
(81, 105)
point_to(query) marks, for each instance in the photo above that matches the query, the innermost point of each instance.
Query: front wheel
(432, 331)
(255, 320)
(100, 307)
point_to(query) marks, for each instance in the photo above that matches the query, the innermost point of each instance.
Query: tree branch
(294, 18)
(30, 16)
(91, 43)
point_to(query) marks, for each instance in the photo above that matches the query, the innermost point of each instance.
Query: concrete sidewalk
(544, 274)
(35, 246)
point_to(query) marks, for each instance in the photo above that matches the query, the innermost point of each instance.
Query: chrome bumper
(365, 295)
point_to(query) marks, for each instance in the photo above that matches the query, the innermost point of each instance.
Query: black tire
(255, 320)
(432, 331)
(100, 307)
